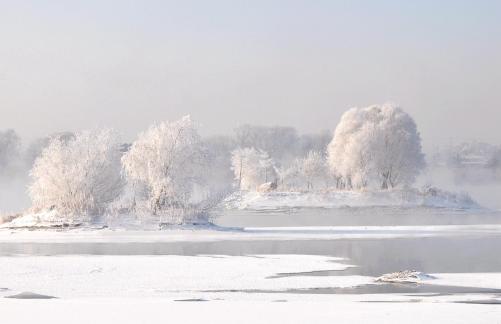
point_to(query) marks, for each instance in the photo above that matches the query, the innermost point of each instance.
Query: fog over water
(126, 64)
(280, 156)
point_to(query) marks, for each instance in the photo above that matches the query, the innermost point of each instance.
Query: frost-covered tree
(80, 176)
(316, 142)
(314, 169)
(37, 146)
(252, 168)
(305, 173)
(283, 144)
(291, 177)
(377, 145)
(165, 163)
(280, 143)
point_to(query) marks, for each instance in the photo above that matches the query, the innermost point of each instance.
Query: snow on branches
(165, 163)
(165, 171)
(305, 173)
(252, 168)
(377, 145)
(80, 176)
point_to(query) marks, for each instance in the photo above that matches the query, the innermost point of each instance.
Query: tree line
(171, 169)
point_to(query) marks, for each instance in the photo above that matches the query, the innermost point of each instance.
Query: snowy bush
(78, 177)
(283, 144)
(313, 169)
(290, 176)
(165, 164)
(252, 168)
(377, 145)
(305, 173)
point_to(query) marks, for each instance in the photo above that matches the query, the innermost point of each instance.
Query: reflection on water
(372, 257)
(358, 216)
(387, 288)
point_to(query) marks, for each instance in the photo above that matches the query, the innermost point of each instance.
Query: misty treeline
(171, 171)
(471, 162)
(468, 154)
(168, 170)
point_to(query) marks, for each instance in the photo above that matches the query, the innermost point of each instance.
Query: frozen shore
(429, 197)
(257, 277)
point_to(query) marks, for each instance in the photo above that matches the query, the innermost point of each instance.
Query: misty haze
(250, 162)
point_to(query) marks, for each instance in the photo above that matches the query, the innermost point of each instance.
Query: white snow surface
(44, 218)
(166, 276)
(78, 276)
(479, 280)
(208, 277)
(250, 200)
(429, 197)
(152, 311)
(144, 289)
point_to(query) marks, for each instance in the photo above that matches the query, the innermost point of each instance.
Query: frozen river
(469, 252)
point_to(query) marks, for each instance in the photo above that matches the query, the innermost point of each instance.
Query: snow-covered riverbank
(333, 199)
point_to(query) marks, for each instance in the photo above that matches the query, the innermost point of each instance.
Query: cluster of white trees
(472, 154)
(170, 167)
(255, 170)
(378, 146)
(471, 162)
(83, 175)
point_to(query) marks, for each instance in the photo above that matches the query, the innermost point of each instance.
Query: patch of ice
(168, 276)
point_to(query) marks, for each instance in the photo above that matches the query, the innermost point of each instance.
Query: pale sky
(71, 65)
